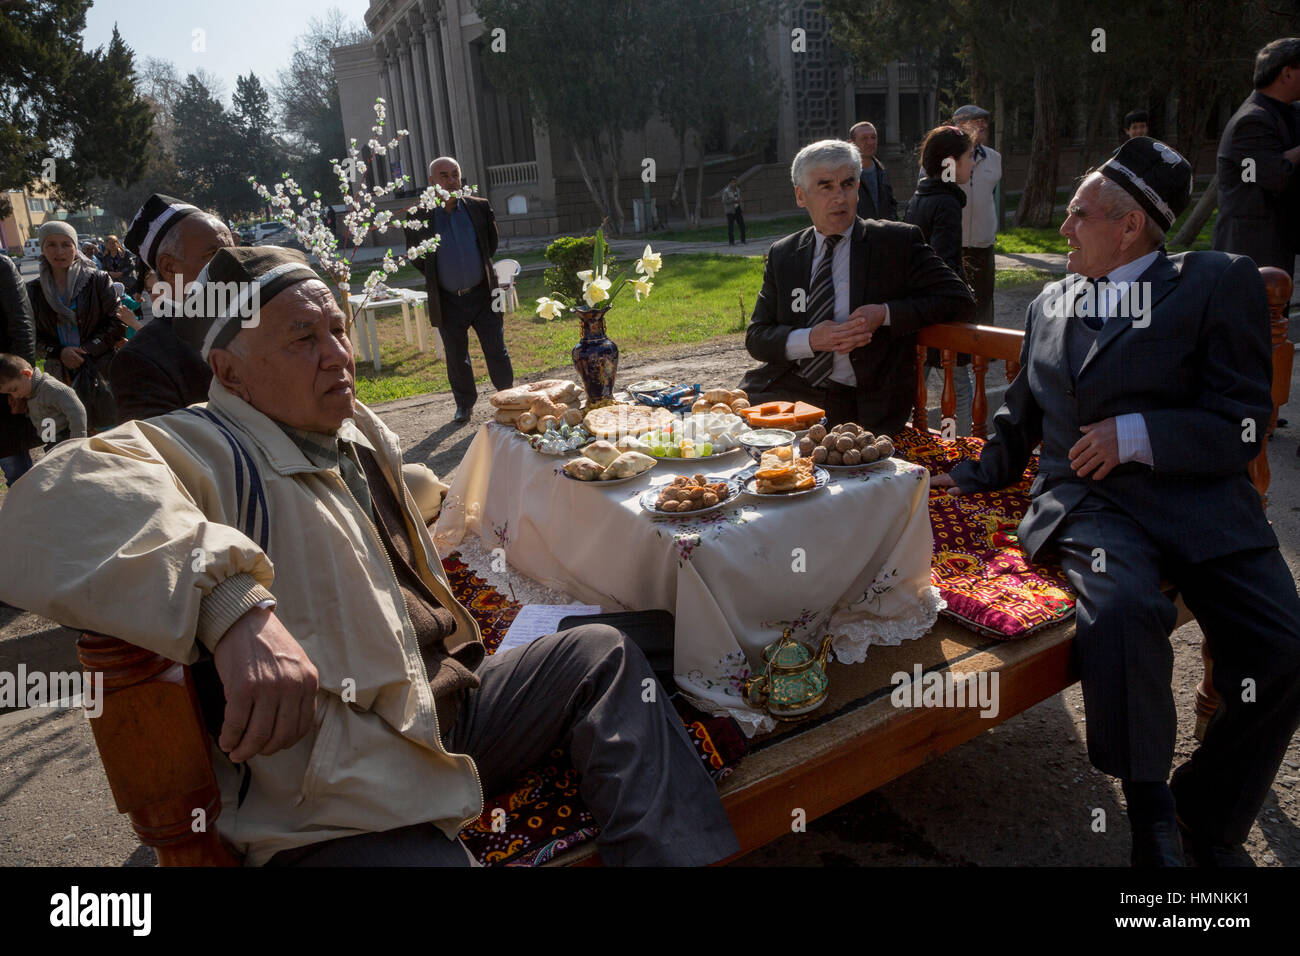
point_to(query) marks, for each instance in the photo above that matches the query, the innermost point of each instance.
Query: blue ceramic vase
(595, 356)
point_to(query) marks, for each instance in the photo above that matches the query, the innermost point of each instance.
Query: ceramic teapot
(793, 682)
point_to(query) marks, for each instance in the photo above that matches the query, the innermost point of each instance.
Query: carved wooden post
(155, 752)
(948, 400)
(1278, 286)
(979, 403)
(920, 416)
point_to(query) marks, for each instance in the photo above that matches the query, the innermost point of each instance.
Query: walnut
(844, 443)
(817, 433)
(834, 458)
(852, 457)
(819, 455)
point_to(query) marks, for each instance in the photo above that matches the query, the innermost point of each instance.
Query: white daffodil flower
(549, 308)
(642, 287)
(649, 263)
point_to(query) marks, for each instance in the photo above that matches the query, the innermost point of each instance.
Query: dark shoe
(1282, 423)
(1157, 844)
(1207, 855)
(462, 413)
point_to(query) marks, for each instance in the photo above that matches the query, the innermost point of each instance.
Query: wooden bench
(159, 777)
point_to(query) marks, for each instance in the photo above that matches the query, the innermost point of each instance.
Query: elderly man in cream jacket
(272, 529)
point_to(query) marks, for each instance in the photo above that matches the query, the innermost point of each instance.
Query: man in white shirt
(979, 221)
(836, 320)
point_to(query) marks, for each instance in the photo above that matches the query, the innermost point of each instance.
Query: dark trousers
(1247, 607)
(980, 270)
(734, 219)
(473, 310)
(583, 689)
(840, 401)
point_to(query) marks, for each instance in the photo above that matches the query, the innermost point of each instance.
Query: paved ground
(1021, 794)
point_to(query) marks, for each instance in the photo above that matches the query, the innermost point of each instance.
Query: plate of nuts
(845, 446)
(696, 494)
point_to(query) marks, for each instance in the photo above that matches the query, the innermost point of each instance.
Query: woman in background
(947, 156)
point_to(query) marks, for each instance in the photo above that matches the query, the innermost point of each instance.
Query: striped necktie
(821, 306)
(1095, 321)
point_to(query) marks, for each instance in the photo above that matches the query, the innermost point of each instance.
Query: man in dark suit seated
(842, 301)
(1146, 377)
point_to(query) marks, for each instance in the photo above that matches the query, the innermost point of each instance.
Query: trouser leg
(1246, 605)
(15, 466)
(638, 772)
(489, 325)
(1121, 646)
(455, 343)
(979, 262)
(731, 228)
(740, 221)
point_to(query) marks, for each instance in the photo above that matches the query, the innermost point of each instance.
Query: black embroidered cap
(1155, 175)
(157, 217)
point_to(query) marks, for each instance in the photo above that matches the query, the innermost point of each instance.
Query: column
(893, 131)
(421, 77)
(399, 114)
(437, 84)
(383, 167)
(464, 115)
(410, 110)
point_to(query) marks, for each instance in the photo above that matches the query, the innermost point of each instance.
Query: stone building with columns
(426, 61)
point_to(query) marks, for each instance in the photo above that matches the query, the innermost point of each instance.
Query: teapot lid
(787, 652)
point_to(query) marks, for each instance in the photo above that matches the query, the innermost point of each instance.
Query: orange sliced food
(806, 415)
(772, 421)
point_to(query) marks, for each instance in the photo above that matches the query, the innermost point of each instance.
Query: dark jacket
(17, 337)
(1258, 218)
(97, 320)
(888, 206)
(485, 228)
(156, 373)
(1196, 374)
(889, 263)
(936, 209)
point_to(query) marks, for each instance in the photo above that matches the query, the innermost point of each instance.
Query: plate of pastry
(602, 463)
(779, 474)
(689, 495)
(845, 446)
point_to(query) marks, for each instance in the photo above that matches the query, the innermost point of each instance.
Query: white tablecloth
(854, 557)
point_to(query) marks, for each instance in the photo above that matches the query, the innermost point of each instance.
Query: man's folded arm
(152, 568)
(935, 292)
(1257, 139)
(1223, 431)
(1017, 427)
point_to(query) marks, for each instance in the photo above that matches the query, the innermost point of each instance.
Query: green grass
(1012, 278)
(696, 297)
(1026, 241)
(781, 226)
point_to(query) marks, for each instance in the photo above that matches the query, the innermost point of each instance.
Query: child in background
(53, 407)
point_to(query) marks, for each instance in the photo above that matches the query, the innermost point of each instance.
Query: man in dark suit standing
(1258, 158)
(875, 192)
(836, 320)
(1146, 377)
(459, 280)
(17, 337)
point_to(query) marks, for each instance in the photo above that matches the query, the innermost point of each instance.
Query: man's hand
(846, 336)
(1292, 155)
(1097, 452)
(270, 687)
(72, 357)
(945, 481)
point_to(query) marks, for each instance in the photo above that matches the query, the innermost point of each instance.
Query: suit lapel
(858, 260)
(801, 263)
(1161, 277)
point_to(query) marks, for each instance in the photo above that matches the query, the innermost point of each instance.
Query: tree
(599, 84)
(208, 151)
(307, 95)
(60, 103)
(251, 115)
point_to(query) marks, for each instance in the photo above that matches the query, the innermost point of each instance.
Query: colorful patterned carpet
(978, 565)
(978, 568)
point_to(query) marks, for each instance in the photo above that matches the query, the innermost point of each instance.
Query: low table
(409, 300)
(853, 557)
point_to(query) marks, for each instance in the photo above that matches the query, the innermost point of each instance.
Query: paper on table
(535, 620)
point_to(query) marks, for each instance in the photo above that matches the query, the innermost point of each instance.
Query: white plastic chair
(507, 270)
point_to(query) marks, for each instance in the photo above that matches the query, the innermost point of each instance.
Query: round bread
(715, 395)
(721, 408)
(739, 404)
(573, 417)
(526, 422)
(547, 421)
(700, 406)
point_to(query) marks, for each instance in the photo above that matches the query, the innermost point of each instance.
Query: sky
(238, 35)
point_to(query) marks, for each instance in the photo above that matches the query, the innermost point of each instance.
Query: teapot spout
(823, 651)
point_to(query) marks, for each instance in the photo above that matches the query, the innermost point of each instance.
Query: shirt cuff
(886, 322)
(796, 345)
(1134, 442)
(227, 603)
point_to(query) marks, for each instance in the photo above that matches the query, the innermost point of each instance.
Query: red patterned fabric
(542, 814)
(978, 565)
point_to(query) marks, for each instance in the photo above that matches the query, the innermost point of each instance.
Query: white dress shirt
(1131, 428)
(796, 344)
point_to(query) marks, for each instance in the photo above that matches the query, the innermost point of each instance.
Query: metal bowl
(763, 439)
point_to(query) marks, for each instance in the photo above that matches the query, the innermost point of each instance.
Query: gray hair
(442, 159)
(1274, 58)
(1118, 203)
(824, 154)
(171, 243)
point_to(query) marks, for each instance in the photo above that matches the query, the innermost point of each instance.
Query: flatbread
(521, 396)
(615, 421)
